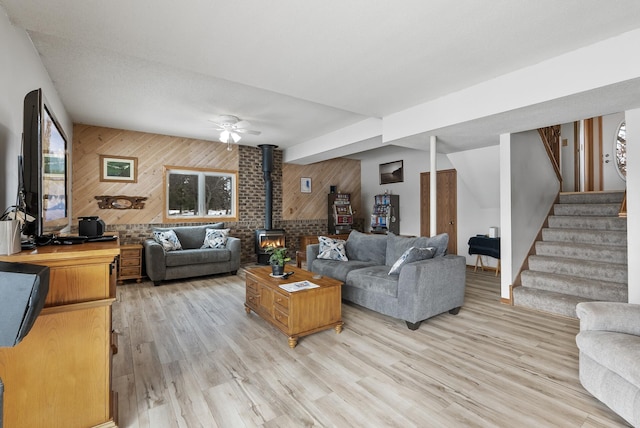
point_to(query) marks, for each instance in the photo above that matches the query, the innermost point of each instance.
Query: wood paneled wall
(342, 173)
(153, 152)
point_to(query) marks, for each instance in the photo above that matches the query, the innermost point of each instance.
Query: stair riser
(614, 238)
(585, 222)
(592, 198)
(599, 253)
(553, 304)
(589, 270)
(586, 209)
(593, 290)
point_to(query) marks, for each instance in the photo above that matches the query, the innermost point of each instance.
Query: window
(621, 150)
(198, 194)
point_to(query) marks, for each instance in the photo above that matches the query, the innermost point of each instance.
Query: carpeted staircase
(582, 256)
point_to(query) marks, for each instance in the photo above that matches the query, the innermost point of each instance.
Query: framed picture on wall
(305, 185)
(391, 172)
(118, 169)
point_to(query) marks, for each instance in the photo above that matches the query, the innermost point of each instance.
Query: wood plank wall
(343, 173)
(153, 152)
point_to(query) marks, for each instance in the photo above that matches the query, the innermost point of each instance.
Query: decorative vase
(277, 270)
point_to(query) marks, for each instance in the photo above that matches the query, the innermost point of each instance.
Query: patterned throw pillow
(332, 249)
(168, 240)
(413, 254)
(216, 238)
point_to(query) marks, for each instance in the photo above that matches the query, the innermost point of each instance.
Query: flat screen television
(45, 170)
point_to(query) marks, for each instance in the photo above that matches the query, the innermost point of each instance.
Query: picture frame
(305, 185)
(120, 169)
(391, 172)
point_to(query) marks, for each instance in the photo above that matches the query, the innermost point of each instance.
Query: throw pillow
(216, 238)
(413, 254)
(332, 249)
(168, 240)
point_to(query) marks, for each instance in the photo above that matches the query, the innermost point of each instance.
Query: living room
(484, 194)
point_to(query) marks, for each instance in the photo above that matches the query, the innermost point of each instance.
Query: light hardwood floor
(190, 356)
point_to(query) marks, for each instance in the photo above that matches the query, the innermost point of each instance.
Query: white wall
(478, 196)
(532, 187)
(567, 157)
(414, 162)
(21, 72)
(632, 118)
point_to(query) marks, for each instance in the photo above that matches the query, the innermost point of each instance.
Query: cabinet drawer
(129, 253)
(252, 299)
(252, 285)
(282, 301)
(130, 271)
(130, 262)
(281, 318)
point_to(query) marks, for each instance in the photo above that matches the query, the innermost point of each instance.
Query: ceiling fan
(231, 127)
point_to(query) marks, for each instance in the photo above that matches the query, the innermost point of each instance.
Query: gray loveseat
(609, 343)
(192, 260)
(420, 291)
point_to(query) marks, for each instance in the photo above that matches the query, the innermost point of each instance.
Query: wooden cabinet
(130, 263)
(60, 374)
(295, 314)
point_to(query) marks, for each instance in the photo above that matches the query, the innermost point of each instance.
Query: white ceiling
(300, 70)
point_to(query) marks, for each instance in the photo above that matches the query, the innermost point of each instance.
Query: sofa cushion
(397, 245)
(332, 249)
(168, 240)
(374, 279)
(618, 352)
(197, 256)
(413, 254)
(337, 269)
(215, 238)
(191, 237)
(367, 248)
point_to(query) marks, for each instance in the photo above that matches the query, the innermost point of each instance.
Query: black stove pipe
(267, 167)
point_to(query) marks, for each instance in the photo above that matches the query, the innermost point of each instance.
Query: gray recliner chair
(609, 343)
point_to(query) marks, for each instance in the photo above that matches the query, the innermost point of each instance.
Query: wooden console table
(299, 313)
(60, 374)
(301, 254)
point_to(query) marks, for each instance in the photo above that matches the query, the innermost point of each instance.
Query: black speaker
(23, 289)
(90, 226)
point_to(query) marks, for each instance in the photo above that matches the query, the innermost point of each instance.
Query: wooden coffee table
(298, 313)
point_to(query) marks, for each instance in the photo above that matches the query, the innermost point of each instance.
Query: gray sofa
(191, 260)
(420, 291)
(609, 344)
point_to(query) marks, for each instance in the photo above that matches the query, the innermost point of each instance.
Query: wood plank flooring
(190, 356)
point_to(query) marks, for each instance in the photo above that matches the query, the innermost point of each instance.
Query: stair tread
(605, 271)
(582, 251)
(575, 279)
(576, 286)
(561, 304)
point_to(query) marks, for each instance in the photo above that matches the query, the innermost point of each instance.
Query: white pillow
(215, 238)
(168, 239)
(413, 254)
(332, 249)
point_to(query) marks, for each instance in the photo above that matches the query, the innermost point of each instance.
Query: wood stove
(268, 236)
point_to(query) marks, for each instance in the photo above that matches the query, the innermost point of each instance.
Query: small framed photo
(120, 169)
(305, 185)
(391, 172)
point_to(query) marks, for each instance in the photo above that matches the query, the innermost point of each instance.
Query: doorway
(446, 205)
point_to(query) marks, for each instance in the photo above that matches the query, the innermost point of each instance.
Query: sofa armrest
(312, 253)
(154, 260)
(609, 316)
(430, 287)
(234, 245)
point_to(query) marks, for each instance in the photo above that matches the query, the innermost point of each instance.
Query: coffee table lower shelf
(295, 314)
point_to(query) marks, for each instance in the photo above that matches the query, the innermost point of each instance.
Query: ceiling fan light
(224, 136)
(235, 137)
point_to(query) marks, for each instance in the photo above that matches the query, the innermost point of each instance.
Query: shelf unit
(386, 214)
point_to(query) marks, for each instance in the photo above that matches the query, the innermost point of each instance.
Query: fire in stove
(266, 238)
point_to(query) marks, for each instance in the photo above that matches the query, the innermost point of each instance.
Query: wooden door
(447, 206)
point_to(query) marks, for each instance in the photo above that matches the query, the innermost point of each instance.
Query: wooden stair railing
(623, 206)
(551, 140)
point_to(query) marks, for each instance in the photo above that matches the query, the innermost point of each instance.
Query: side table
(130, 263)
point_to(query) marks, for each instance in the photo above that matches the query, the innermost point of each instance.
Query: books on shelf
(299, 285)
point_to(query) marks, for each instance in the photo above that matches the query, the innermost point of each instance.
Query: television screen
(45, 170)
